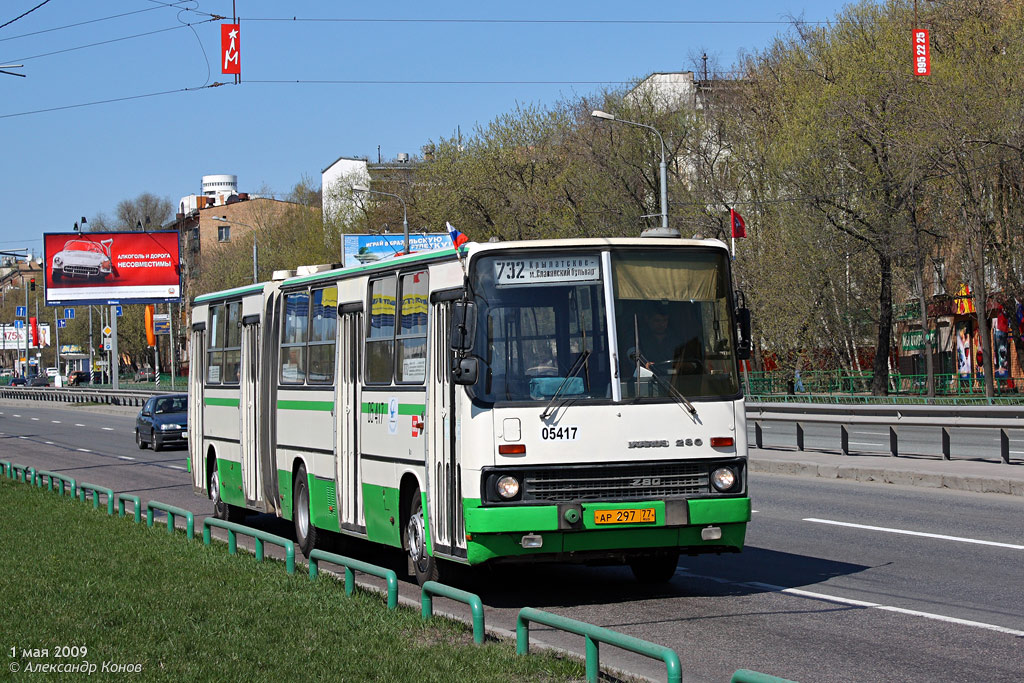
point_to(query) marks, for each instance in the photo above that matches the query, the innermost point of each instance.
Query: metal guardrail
(594, 635)
(172, 512)
(123, 397)
(944, 418)
(259, 536)
(748, 676)
(136, 503)
(476, 606)
(84, 489)
(351, 566)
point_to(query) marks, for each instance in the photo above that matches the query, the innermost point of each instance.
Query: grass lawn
(73, 576)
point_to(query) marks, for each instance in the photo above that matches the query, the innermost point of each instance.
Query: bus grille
(630, 482)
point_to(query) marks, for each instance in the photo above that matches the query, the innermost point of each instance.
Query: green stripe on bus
(325, 406)
(380, 408)
(228, 402)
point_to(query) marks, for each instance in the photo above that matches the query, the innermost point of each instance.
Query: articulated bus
(494, 403)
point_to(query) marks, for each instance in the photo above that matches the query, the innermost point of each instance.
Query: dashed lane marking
(125, 457)
(83, 450)
(905, 532)
(56, 422)
(108, 429)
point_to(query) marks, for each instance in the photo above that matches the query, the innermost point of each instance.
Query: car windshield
(82, 245)
(175, 404)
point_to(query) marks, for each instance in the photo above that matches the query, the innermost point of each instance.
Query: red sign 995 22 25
(922, 53)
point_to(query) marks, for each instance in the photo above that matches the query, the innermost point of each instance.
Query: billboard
(112, 268)
(361, 250)
(12, 338)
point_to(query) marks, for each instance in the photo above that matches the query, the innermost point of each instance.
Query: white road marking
(35, 419)
(125, 457)
(176, 467)
(914, 533)
(84, 450)
(78, 425)
(49, 443)
(22, 437)
(56, 422)
(888, 608)
(17, 416)
(108, 429)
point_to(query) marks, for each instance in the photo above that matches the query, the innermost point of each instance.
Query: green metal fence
(432, 588)
(593, 636)
(260, 538)
(351, 566)
(84, 489)
(748, 676)
(136, 503)
(172, 512)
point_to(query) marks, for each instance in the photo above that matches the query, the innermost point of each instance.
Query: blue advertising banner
(361, 250)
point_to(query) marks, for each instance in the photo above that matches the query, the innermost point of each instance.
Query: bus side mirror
(463, 326)
(743, 345)
(465, 371)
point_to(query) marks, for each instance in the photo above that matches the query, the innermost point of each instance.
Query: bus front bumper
(603, 531)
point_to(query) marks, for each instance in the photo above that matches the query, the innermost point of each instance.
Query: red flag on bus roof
(739, 226)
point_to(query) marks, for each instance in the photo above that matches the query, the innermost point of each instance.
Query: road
(840, 580)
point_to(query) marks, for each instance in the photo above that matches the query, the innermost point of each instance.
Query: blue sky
(80, 161)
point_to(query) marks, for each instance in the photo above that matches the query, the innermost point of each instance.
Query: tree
(144, 212)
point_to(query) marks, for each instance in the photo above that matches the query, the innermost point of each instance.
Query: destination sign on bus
(532, 271)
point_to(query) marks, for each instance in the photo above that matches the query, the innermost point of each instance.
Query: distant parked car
(145, 375)
(39, 381)
(78, 377)
(163, 421)
(18, 382)
(83, 258)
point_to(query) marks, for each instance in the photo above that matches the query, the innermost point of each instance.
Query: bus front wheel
(424, 566)
(305, 532)
(655, 568)
(222, 510)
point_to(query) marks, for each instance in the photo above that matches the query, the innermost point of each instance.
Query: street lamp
(405, 215)
(222, 219)
(664, 231)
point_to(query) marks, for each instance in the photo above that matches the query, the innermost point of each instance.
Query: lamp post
(664, 231)
(221, 219)
(405, 213)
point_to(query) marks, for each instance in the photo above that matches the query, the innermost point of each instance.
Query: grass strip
(131, 595)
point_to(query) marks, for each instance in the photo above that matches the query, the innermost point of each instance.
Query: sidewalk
(932, 472)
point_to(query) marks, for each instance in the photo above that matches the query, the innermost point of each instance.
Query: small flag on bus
(458, 239)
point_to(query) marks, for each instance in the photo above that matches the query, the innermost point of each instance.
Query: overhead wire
(642, 22)
(107, 101)
(24, 14)
(79, 23)
(107, 42)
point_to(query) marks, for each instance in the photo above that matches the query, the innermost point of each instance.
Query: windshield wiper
(664, 384)
(577, 365)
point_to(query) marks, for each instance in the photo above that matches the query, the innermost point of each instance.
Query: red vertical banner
(922, 53)
(230, 47)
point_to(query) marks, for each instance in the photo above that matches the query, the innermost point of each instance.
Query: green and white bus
(499, 402)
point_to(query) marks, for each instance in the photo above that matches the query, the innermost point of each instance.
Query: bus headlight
(723, 479)
(508, 487)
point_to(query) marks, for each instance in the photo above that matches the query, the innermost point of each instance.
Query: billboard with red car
(112, 268)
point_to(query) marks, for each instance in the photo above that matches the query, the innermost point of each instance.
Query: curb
(957, 482)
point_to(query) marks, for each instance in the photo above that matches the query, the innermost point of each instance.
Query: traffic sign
(18, 324)
(162, 323)
(69, 314)
(20, 311)
(107, 331)
(117, 309)
(108, 345)
(62, 323)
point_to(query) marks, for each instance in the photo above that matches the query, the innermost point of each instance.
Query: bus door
(197, 372)
(350, 337)
(444, 472)
(249, 408)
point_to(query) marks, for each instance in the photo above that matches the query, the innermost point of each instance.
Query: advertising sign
(112, 268)
(361, 250)
(12, 338)
(230, 44)
(922, 53)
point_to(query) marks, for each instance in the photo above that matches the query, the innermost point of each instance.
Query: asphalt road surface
(840, 580)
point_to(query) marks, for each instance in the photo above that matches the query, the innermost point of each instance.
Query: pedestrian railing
(171, 512)
(136, 504)
(748, 676)
(60, 479)
(21, 473)
(260, 538)
(594, 635)
(351, 566)
(941, 418)
(432, 588)
(84, 489)
(5, 467)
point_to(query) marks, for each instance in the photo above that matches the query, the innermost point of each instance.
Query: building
(337, 179)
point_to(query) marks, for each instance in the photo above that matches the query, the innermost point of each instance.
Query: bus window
(323, 326)
(380, 334)
(293, 338)
(215, 353)
(232, 343)
(411, 349)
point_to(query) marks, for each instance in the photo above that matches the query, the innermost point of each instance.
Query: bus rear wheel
(655, 568)
(305, 533)
(424, 566)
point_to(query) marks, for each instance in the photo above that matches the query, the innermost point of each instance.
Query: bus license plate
(636, 516)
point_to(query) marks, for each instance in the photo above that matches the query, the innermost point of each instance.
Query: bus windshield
(674, 324)
(537, 315)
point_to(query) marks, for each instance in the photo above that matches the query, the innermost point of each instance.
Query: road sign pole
(24, 367)
(56, 326)
(115, 363)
